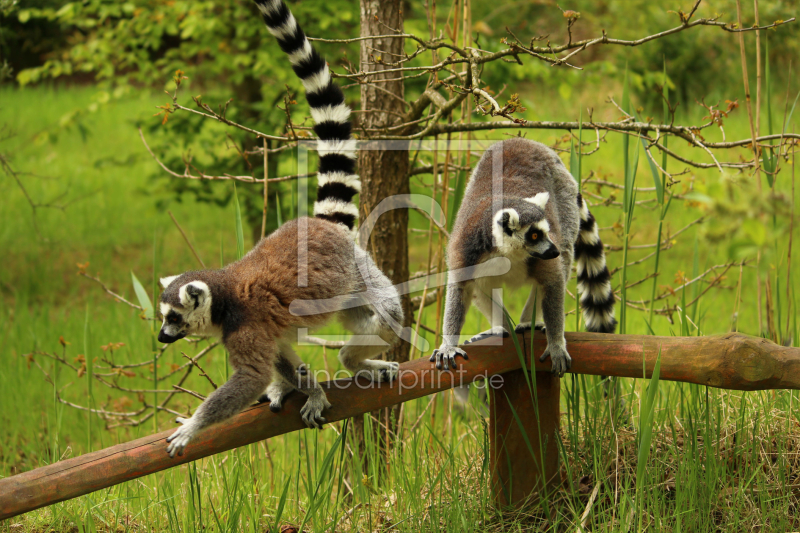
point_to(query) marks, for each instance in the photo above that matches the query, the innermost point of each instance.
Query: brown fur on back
(267, 277)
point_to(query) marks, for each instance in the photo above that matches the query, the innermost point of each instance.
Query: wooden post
(523, 429)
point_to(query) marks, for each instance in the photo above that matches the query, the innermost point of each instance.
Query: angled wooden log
(730, 361)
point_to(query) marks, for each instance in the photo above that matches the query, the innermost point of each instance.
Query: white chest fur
(517, 276)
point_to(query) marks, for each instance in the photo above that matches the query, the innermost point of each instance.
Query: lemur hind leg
(293, 371)
(525, 320)
(275, 394)
(493, 311)
(372, 336)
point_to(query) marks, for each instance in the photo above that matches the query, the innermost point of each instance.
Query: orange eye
(534, 236)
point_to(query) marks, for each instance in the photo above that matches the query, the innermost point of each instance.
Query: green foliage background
(86, 75)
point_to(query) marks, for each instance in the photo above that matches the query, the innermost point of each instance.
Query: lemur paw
(522, 327)
(526, 326)
(275, 394)
(561, 359)
(377, 371)
(445, 356)
(311, 412)
(494, 332)
(178, 440)
(389, 373)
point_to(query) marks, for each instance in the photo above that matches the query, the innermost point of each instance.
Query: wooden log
(731, 361)
(523, 429)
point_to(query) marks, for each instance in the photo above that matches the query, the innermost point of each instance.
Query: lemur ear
(165, 282)
(508, 219)
(540, 199)
(194, 294)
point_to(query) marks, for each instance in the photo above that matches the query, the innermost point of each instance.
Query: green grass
(718, 460)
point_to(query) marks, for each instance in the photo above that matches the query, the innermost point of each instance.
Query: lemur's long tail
(594, 281)
(336, 179)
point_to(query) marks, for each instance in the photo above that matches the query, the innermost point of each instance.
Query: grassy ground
(719, 460)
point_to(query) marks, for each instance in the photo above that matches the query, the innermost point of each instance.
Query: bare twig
(186, 238)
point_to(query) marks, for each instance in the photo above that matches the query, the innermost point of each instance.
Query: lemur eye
(534, 236)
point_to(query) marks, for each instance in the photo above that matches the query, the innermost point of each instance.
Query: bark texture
(384, 172)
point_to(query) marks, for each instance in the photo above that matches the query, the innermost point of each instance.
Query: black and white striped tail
(337, 180)
(594, 281)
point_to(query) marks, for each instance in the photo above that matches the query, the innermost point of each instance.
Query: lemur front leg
(240, 391)
(292, 369)
(253, 357)
(526, 318)
(553, 314)
(456, 305)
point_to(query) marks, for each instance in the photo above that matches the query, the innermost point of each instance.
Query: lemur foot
(561, 359)
(494, 332)
(275, 394)
(311, 412)
(526, 326)
(376, 370)
(445, 356)
(178, 440)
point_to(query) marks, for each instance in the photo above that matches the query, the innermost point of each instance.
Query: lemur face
(186, 311)
(523, 228)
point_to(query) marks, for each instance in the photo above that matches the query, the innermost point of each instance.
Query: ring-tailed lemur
(247, 302)
(525, 206)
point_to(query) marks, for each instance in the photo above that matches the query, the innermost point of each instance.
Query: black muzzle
(551, 253)
(169, 339)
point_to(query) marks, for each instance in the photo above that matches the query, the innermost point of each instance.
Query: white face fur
(193, 317)
(522, 240)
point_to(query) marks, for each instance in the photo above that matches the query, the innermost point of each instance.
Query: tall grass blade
(646, 432)
(770, 158)
(281, 505)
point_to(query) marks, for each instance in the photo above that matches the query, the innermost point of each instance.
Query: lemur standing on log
(247, 303)
(525, 207)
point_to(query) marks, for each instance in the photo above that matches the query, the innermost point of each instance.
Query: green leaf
(575, 155)
(630, 182)
(458, 195)
(141, 295)
(789, 116)
(278, 212)
(656, 177)
(626, 96)
(239, 230)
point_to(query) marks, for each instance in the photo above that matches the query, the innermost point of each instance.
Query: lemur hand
(445, 356)
(561, 359)
(178, 440)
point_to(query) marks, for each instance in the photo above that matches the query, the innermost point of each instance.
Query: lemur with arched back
(525, 206)
(247, 302)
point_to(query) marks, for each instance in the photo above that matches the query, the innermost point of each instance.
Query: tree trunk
(384, 172)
